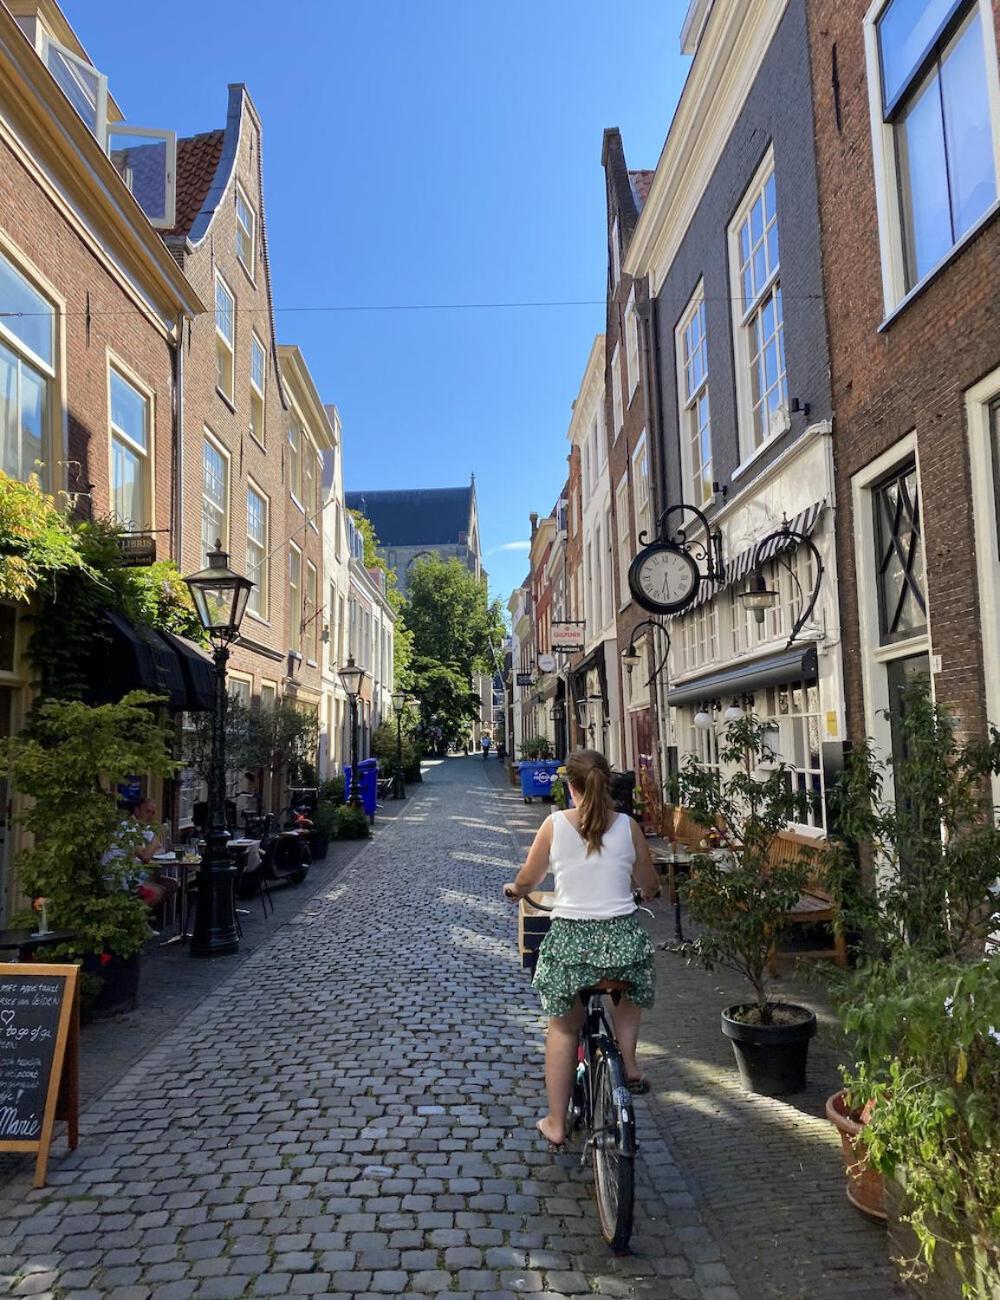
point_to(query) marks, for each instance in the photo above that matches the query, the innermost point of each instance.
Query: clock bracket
(706, 551)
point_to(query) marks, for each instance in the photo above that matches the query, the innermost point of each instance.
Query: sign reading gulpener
(39, 1036)
(567, 637)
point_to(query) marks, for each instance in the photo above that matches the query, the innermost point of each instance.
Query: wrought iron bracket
(801, 539)
(653, 623)
(707, 554)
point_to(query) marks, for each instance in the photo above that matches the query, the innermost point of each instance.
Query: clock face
(663, 578)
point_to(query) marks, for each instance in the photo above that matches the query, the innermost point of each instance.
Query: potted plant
(325, 825)
(740, 900)
(69, 761)
(352, 823)
(922, 1099)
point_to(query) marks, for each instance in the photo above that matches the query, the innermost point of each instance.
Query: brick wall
(43, 240)
(909, 375)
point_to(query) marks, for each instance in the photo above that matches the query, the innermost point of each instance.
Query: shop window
(902, 600)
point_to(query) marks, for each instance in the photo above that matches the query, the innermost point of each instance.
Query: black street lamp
(399, 702)
(351, 678)
(220, 597)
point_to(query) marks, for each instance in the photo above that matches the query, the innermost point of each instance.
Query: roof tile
(197, 159)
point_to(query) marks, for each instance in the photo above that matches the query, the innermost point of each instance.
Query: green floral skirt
(576, 954)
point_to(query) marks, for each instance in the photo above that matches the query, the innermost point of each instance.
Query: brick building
(632, 465)
(94, 309)
(909, 261)
(742, 414)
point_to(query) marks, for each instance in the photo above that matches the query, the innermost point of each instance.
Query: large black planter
(118, 978)
(319, 844)
(771, 1058)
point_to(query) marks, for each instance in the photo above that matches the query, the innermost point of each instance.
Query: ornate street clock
(664, 578)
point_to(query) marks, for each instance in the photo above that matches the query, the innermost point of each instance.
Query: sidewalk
(351, 1114)
(766, 1174)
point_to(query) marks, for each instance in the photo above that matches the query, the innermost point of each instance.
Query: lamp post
(220, 597)
(351, 678)
(399, 702)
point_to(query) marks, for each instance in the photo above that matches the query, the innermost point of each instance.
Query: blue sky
(424, 152)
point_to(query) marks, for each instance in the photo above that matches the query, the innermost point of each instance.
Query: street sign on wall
(567, 637)
(525, 679)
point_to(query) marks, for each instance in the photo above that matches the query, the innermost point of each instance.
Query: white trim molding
(979, 399)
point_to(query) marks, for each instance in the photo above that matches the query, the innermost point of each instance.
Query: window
(607, 580)
(624, 540)
(696, 431)
(131, 482)
(146, 160)
(747, 633)
(239, 689)
(312, 613)
(616, 254)
(317, 503)
(294, 598)
(27, 364)
(696, 638)
(899, 555)
(295, 462)
(794, 711)
(598, 585)
(642, 508)
(936, 139)
(214, 496)
(631, 346)
(246, 229)
(760, 337)
(616, 394)
(702, 742)
(258, 379)
(994, 425)
(308, 497)
(225, 334)
(268, 695)
(84, 87)
(585, 469)
(257, 542)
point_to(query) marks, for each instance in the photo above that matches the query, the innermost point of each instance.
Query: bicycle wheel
(614, 1150)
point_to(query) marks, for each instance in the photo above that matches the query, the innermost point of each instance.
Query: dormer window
(81, 83)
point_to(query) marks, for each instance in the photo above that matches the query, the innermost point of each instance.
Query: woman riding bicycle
(594, 853)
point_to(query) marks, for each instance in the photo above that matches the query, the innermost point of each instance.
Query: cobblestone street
(351, 1113)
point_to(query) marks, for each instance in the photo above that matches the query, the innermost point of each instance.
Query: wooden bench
(815, 906)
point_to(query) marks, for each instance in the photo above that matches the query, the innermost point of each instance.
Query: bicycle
(602, 1101)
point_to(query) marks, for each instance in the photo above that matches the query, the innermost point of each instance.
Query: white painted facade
(336, 595)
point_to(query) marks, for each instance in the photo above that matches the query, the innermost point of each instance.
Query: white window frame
(147, 454)
(169, 218)
(624, 539)
(99, 127)
(210, 440)
(259, 435)
(50, 372)
(221, 340)
(891, 248)
(616, 253)
(295, 458)
(311, 613)
(240, 196)
(874, 656)
(631, 346)
(242, 680)
(744, 320)
(295, 606)
(688, 402)
(642, 504)
(979, 399)
(263, 587)
(617, 408)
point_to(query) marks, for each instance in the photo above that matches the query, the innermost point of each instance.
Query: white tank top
(594, 888)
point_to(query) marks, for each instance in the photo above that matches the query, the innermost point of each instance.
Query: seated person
(150, 886)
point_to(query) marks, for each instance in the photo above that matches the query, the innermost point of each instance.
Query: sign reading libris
(567, 637)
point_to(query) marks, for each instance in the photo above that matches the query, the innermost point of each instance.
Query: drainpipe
(177, 364)
(649, 343)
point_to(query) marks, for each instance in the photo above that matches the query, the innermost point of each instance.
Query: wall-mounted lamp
(630, 658)
(737, 708)
(796, 407)
(758, 596)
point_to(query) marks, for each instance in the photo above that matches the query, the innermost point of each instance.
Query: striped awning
(736, 570)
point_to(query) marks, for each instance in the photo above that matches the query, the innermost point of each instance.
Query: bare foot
(550, 1133)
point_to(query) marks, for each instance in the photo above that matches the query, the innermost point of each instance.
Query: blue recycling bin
(537, 776)
(367, 784)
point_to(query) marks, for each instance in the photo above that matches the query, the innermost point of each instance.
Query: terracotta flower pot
(865, 1186)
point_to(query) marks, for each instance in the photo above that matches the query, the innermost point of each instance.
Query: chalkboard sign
(39, 1028)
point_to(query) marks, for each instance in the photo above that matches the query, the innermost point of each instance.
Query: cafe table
(673, 861)
(27, 942)
(168, 863)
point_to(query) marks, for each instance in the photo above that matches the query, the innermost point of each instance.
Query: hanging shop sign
(567, 637)
(138, 549)
(546, 663)
(525, 679)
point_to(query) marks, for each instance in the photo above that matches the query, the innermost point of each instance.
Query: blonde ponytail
(588, 771)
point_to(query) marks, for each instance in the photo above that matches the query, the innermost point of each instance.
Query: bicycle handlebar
(637, 898)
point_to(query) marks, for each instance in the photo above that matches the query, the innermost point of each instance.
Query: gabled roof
(417, 516)
(197, 160)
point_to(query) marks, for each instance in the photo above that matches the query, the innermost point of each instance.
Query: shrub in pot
(69, 761)
(923, 909)
(536, 747)
(740, 901)
(325, 827)
(352, 823)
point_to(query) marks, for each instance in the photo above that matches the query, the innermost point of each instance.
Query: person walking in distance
(486, 742)
(595, 854)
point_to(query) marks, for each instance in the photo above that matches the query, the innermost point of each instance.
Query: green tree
(451, 617)
(448, 704)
